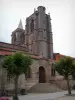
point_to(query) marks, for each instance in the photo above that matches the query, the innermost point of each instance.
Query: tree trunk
(15, 97)
(69, 88)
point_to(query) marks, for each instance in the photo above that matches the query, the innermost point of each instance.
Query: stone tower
(37, 36)
(38, 33)
(18, 35)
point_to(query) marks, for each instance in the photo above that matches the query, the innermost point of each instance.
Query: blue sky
(62, 14)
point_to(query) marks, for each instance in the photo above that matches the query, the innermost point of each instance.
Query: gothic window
(32, 25)
(22, 38)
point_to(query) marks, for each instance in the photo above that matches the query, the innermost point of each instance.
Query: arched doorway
(42, 78)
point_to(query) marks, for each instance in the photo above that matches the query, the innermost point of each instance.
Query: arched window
(32, 25)
(52, 70)
(22, 38)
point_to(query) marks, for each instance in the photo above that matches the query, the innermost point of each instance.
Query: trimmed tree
(15, 65)
(64, 68)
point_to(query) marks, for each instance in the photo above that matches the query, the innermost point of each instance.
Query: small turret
(41, 8)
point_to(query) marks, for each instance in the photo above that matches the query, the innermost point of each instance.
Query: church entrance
(42, 75)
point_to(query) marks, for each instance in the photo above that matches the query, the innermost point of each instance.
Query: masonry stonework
(37, 35)
(37, 41)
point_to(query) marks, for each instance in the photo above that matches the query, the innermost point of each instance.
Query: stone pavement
(66, 98)
(47, 96)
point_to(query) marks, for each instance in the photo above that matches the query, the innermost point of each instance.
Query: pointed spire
(20, 25)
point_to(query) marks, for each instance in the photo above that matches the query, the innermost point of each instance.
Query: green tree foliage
(64, 68)
(15, 65)
(73, 70)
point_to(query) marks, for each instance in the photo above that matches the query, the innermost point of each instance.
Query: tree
(64, 68)
(2, 78)
(73, 71)
(15, 65)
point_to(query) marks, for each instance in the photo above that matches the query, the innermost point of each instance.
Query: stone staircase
(30, 83)
(44, 88)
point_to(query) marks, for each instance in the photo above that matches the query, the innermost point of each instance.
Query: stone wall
(24, 83)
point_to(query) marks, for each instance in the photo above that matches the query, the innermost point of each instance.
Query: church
(35, 40)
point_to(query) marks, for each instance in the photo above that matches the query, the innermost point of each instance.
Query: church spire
(20, 25)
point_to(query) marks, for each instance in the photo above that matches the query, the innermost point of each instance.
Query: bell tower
(38, 33)
(18, 35)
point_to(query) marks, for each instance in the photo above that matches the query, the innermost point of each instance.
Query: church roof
(20, 26)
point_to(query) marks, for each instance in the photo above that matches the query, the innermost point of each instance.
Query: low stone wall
(62, 83)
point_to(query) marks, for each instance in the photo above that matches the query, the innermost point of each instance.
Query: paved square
(66, 98)
(47, 96)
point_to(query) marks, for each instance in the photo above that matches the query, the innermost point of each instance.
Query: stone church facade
(37, 41)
